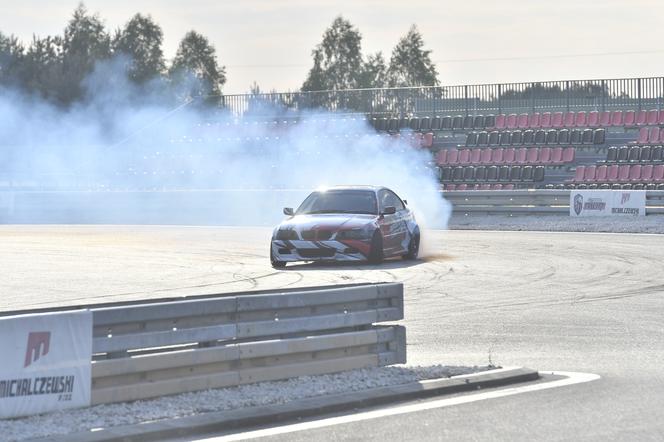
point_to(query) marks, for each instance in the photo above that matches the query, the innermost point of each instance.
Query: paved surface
(574, 302)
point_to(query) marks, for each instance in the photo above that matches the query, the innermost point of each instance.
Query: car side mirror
(405, 202)
(288, 211)
(389, 210)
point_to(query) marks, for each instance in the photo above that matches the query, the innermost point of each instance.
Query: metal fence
(608, 94)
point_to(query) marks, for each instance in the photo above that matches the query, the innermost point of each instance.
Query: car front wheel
(413, 246)
(275, 262)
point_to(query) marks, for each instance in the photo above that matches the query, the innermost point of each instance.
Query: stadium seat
(427, 140)
(589, 174)
(450, 187)
(516, 138)
(478, 122)
(641, 118)
(457, 122)
(569, 154)
(660, 118)
(404, 123)
(634, 154)
(452, 157)
(540, 137)
(552, 136)
(464, 156)
(545, 155)
(600, 174)
(646, 172)
(545, 120)
(504, 173)
(492, 173)
(612, 173)
(497, 155)
(538, 174)
(414, 123)
(557, 120)
(528, 136)
(471, 139)
(605, 119)
(563, 136)
(575, 136)
(527, 173)
(511, 121)
(629, 118)
(441, 157)
(635, 172)
(508, 186)
(509, 155)
(483, 138)
(446, 174)
(468, 173)
(522, 121)
(642, 138)
(653, 134)
(569, 119)
(581, 120)
(658, 173)
(462, 187)
(612, 154)
(436, 123)
(599, 136)
(489, 121)
(446, 122)
(532, 156)
(497, 187)
(623, 154)
(534, 120)
(500, 121)
(515, 173)
(521, 155)
(494, 138)
(557, 155)
(485, 186)
(505, 138)
(587, 136)
(457, 174)
(425, 124)
(653, 117)
(657, 154)
(485, 156)
(646, 152)
(623, 172)
(616, 118)
(393, 125)
(579, 174)
(480, 173)
(468, 122)
(593, 119)
(475, 155)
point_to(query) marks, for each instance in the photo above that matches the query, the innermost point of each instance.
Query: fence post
(638, 89)
(500, 92)
(465, 98)
(568, 94)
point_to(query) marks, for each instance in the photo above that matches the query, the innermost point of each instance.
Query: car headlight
(285, 234)
(353, 234)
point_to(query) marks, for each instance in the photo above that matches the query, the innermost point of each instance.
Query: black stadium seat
(480, 173)
(575, 137)
(516, 138)
(414, 123)
(494, 138)
(478, 122)
(646, 153)
(612, 154)
(436, 123)
(527, 173)
(457, 174)
(504, 138)
(623, 154)
(587, 136)
(489, 121)
(634, 154)
(552, 136)
(515, 173)
(446, 174)
(528, 137)
(563, 136)
(425, 124)
(393, 125)
(404, 123)
(482, 138)
(457, 122)
(538, 174)
(599, 136)
(492, 173)
(657, 154)
(468, 173)
(468, 122)
(471, 139)
(504, 173)
(446, 122)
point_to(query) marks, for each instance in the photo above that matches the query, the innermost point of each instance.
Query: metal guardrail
(155, 349)
(535, 202)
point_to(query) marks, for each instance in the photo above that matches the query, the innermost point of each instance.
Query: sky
(472, 41)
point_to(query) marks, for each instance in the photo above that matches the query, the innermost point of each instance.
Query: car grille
(316, 253)
(316, 235)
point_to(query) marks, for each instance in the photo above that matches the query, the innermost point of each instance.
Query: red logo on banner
(38, 344)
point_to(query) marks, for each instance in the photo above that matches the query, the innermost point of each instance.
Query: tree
(44, 66)
(141, 40)
(85, 42)
(374, 72)
(195, 71)
(11, 60)
(337, 59)
(410, 65)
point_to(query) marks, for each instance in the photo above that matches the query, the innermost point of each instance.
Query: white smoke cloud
(124, 155)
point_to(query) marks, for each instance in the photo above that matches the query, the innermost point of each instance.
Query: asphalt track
(590, 303)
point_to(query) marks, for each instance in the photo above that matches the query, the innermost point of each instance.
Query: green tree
(410, 64)
(141, 41)
(11, 60)
(337, 59)
(85, 42)
(44, 66)
(374, 72)
(195, 71)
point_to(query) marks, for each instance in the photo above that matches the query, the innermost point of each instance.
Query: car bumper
(298, 250)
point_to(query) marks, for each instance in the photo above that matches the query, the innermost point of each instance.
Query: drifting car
(346, 223)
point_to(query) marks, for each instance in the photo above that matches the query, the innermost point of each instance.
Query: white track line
(570, 379)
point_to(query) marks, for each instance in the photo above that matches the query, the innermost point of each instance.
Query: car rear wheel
(413, 246)
(275, 262)
(376, 253)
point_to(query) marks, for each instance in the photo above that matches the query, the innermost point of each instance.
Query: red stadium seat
(509, 155)
(593, 119)
(579, 174)
(500, 121)
(557, 120)
(658, 173)
(462, 187)
(646, 172)
(497, 186)
(485, 157)
(569, 154)
(522, 121)
(635, 172)
(600, 174)
(643, 136)
(464, 156)
(653, 134)
(427, 140)
(508, 186)
(534, 120)
(616, 118)
(605, 119)
(557, 155)
(641, 118)
(545, 120)
(450, 187)
(629, 118)
(623, 172)
(497, 156)
(441, 157)
(532, 157)
(511, 121)
(485, 186)
(581, 120)
(569, 119)
(475, 156)
(660, 119)
(521, 155)
(653, 117)
(545, 155)
(453, 157)
(612, 173)
(589, 174)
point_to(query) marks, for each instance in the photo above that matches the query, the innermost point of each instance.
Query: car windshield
(340, 201)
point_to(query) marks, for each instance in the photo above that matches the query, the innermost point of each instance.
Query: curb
(254, 416)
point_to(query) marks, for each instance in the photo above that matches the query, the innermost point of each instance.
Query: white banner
(607, 203)
(46, 362)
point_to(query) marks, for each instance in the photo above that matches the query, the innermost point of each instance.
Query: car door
(393, 226)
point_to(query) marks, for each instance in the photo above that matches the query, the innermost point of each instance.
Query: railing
(607, 94)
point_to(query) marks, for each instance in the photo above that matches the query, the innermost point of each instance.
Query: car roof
(353, 187)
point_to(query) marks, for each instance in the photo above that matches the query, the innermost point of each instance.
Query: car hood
(326, 221)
